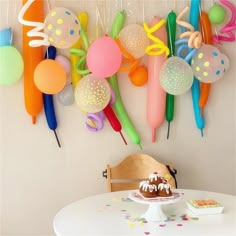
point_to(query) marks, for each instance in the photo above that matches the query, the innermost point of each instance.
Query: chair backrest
(133, 169)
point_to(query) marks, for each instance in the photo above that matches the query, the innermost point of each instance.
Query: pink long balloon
(156, 96)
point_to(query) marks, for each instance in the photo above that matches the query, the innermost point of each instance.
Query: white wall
(38, 178)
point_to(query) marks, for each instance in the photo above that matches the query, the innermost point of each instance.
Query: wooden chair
(135, 168)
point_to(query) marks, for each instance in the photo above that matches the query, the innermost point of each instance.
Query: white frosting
(147, 187)
(154, 176)
(165, 186)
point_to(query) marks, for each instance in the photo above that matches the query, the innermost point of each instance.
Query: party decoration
(5, 37)
(207, 39)
(104, 57)
(137, 73)
(11, 65)
(50, 76)
(216, 14)
(139, 76)
(195, 89)
(48, 103)
(95, 121)
(171, 34)
(156, 96)
(194, 37)
(118, 105)
(32, 56)
(176, 76)
(74, 59)
(30, 6)
(92, 94)
(66, 95)
(114, 122)
(209, 64)
(133, 38)
(229, 27)
(62, 27)
(64, 61)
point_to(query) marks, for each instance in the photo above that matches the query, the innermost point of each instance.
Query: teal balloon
(11, 65)
(5, 37)
(216, 14)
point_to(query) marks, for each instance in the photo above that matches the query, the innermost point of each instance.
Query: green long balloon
(171, 34)
(118, 105)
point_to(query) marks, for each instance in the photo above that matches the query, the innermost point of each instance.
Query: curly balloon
(229, 27)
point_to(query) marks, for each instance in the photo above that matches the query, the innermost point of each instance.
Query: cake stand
(154, 211)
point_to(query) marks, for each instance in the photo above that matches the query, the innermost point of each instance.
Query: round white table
(116, 214)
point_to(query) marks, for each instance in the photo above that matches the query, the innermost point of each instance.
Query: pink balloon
(104, 57)
(156, 96)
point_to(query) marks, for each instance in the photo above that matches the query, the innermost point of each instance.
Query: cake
(155, 186)
(155, 178)
(148, 189)
(164, 189)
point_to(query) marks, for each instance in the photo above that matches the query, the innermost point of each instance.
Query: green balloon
(11, 65)
(216, 14)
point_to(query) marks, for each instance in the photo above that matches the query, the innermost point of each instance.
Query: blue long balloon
(48, 99)
(195, 89)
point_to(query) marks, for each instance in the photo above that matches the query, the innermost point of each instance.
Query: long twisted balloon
(229, 27)
(35, 32)
(194, 37)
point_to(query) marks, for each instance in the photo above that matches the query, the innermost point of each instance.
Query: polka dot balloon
(62, 27)
(176, 76)
(209, 64)
(92, 94)
(133, 38)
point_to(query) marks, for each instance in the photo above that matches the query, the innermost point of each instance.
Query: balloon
(207, 39)
(11, 65)
(97, 120)
(134, 39)
(62, 27)
(171, 34)
(33, 6)
(5, 37)
(66, 95)
(92, 94)
(156, 96)
(64, 61)
(195, 89)
(139, 76)
(104, 57)
(209, 64)
(118, 105)
(216, 14)
(229, 27)
(50, 76)
(176, 76)
(32, 56)
(74, 59)
(114, 122)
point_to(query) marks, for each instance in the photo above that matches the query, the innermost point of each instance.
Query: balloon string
(194, 37)
(35, 32)
(229, 27)
(159, 46)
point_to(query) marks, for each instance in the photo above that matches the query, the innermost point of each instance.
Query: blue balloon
(5, 37)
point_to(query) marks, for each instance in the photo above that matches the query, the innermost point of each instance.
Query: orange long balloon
(32, 56)
(207, 39)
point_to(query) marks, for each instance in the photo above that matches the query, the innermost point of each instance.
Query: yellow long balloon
(75, 77)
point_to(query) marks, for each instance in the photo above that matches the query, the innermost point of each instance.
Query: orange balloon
(32, 56)
(139, 76)
(50, 76)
